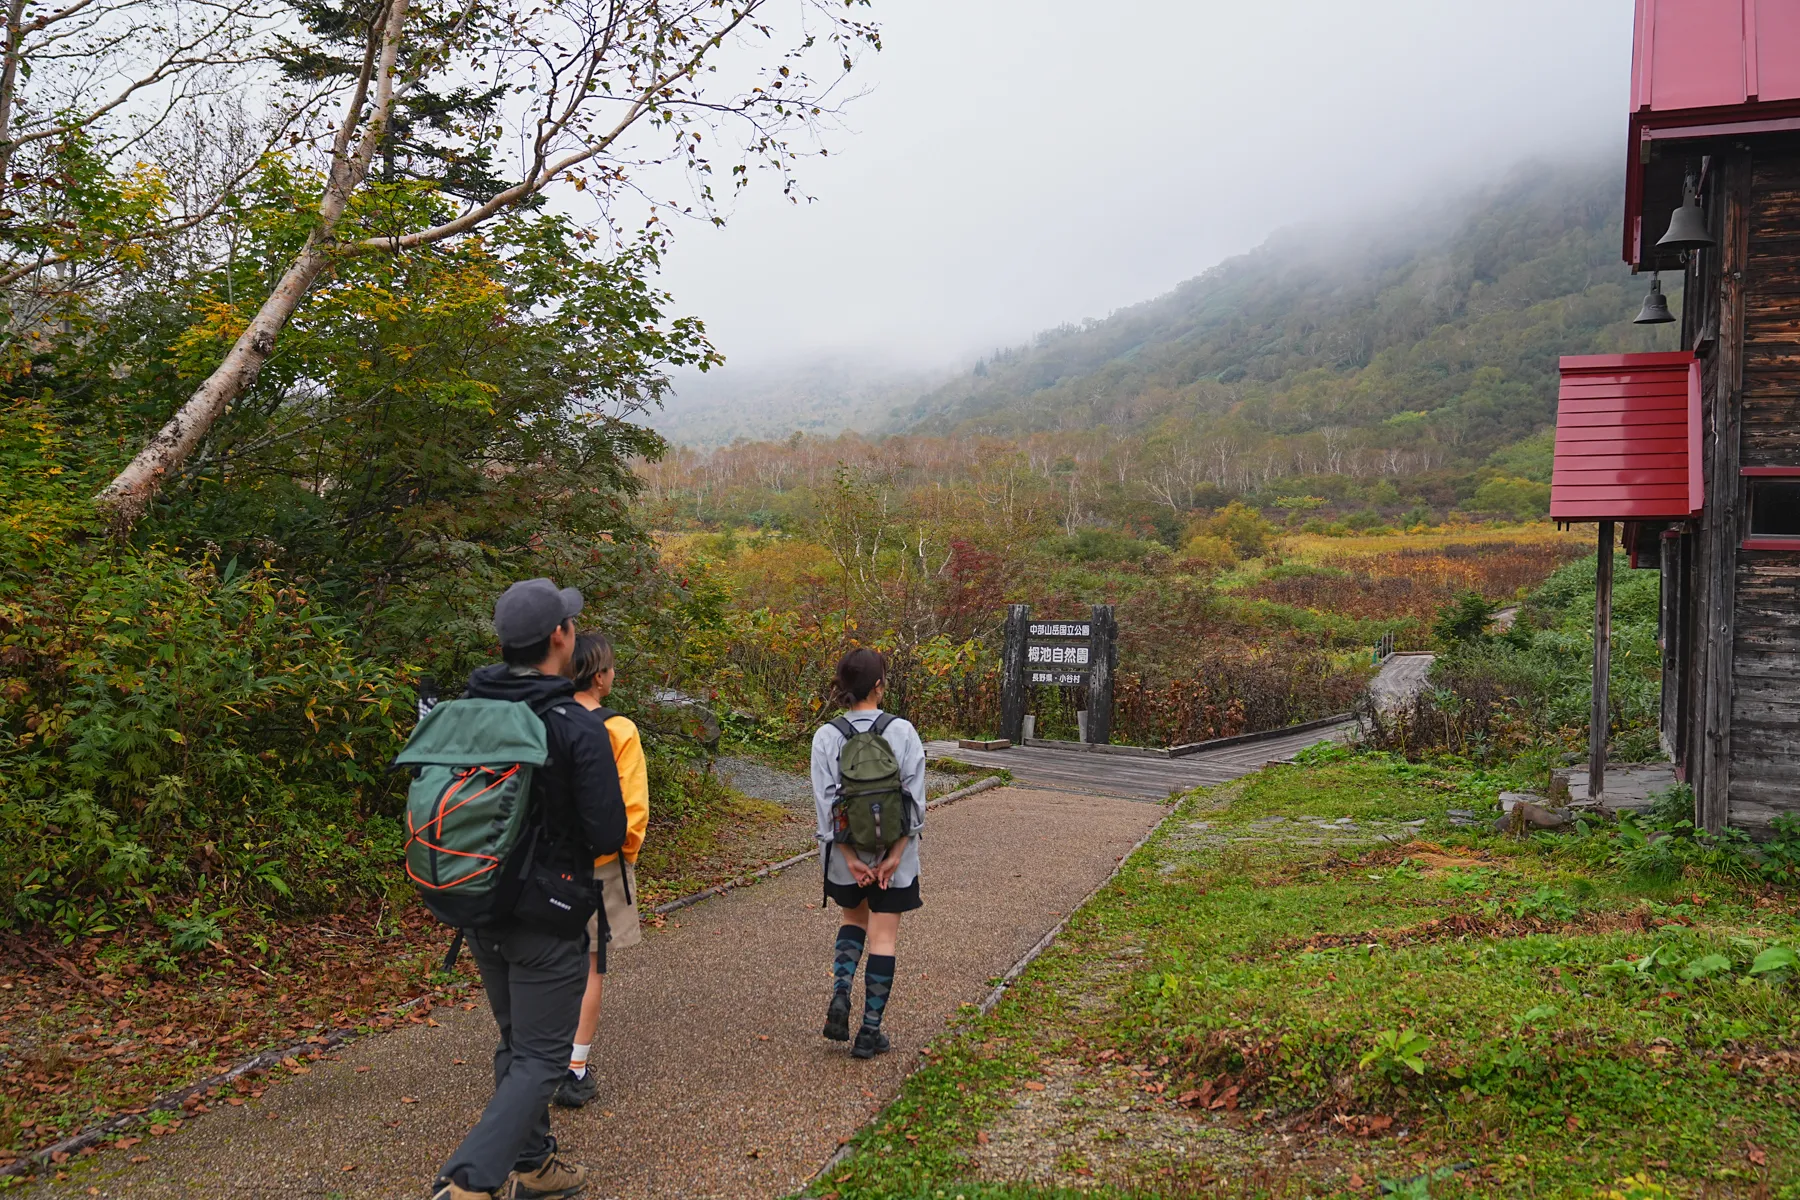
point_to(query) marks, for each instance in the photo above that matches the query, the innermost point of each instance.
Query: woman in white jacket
(872, 888)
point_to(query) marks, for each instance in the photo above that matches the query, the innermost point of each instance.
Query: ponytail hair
(857, 674)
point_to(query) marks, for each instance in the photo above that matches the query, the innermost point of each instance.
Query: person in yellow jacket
(594, 673)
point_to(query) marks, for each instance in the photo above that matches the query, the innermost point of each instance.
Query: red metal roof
(1627, 438)
(1699, 69)
(1714, 54)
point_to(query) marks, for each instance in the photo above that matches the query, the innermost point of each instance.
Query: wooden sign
(1058, 654)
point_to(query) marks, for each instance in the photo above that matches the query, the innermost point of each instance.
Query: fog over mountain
(1016, 166)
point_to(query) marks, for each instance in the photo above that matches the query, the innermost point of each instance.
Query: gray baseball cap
(529, 611)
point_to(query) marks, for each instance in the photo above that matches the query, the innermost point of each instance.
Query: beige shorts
(621, 917)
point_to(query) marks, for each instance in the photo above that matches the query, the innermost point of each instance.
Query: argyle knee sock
(878, 980)
(850, 939)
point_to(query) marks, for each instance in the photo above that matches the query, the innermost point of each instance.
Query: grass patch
(1312, 982)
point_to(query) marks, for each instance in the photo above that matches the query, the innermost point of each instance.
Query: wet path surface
(1092, 773)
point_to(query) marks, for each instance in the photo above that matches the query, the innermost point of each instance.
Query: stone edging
(1012, 974)
(1183, 751)
(171, 1101)
(1030, 956)
(1244, 739)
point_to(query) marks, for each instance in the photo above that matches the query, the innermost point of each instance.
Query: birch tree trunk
(124, 501)
(126, 498)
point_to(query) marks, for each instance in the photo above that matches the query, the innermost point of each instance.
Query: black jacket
(576, 794)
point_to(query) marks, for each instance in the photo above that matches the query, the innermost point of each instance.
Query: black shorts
(881, 900)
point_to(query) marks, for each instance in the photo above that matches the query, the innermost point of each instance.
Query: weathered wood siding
(1771, 435)
(1765, 700)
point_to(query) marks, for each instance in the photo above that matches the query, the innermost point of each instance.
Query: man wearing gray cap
(534, 976)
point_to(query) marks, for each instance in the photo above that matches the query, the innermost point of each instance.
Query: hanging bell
(1687, 228)
(1656, 308)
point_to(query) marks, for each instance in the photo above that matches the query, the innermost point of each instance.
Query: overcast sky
(1021, 163)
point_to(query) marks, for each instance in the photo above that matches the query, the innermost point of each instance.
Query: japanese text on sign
(1076, 656)
(1061, 629)
(1060, 678)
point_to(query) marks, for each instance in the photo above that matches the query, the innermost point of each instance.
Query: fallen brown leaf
(1033, 1085)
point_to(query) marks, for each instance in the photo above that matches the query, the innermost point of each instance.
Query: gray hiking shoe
(576, 1093)
(869, 1043)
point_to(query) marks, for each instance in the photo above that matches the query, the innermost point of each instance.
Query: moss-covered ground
(1317, 982)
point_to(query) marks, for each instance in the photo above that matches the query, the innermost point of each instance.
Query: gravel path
(715, 1082)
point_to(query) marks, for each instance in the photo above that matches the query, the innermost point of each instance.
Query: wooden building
(1697, 453)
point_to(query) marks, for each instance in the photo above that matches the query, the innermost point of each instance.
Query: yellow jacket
(634, 784)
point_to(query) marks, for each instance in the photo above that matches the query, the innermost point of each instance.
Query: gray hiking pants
(534, 983)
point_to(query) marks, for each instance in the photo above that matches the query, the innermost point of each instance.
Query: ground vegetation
(1332, 979)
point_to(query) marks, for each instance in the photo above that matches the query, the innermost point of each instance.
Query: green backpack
(468, 807)
(871, 806)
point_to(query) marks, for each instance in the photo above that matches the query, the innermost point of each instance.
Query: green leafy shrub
(1100, 545)
(1521, 499)
(1240, 525)
(171, 727)
(1464, 619)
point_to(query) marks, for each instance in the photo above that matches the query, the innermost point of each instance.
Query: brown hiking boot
(554, 1179)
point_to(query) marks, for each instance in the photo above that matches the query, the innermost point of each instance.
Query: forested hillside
(1346, 326)
(1375, 370)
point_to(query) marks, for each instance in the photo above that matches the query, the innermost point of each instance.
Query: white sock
(578, 1059)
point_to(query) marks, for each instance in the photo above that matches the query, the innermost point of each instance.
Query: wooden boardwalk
(1095, 774)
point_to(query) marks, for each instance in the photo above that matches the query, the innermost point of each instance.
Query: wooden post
(1718, 563)
(1600, 715)
(1103, 659)
(1012, 674)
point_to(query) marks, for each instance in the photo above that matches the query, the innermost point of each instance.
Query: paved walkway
(1401, 677)
(716, 1082)
(1092, 773)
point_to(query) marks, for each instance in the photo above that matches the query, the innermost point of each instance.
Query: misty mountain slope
(1443, 326)
(823, 397)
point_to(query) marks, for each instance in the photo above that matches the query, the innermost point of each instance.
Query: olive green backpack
(871, 808)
